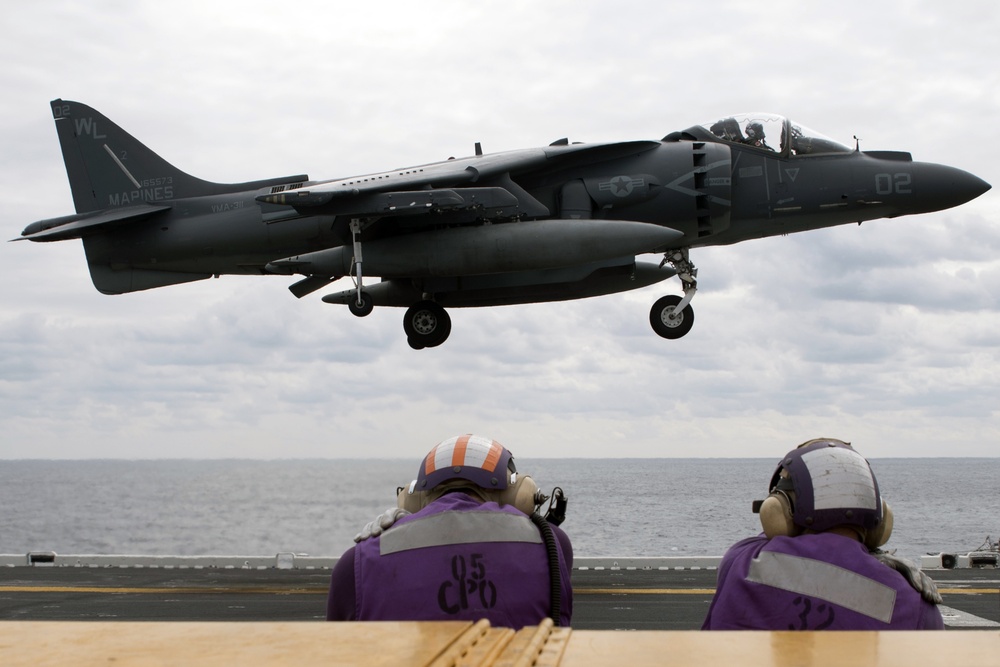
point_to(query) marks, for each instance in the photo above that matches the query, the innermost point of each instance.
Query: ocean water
(617, 507)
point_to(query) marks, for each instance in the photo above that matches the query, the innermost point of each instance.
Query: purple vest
(813, 582)
(457, 559)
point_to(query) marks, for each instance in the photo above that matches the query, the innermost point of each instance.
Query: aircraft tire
(445, 329)
(426, 324)
(663, 324)
(367, 304)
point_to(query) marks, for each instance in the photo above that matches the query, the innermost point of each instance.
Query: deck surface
(604, 599)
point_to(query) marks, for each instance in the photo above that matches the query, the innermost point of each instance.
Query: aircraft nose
(938, 187)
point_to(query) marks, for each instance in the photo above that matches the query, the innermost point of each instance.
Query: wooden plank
(132, 644)
(460, 644)
(590, 648)
(479, 645)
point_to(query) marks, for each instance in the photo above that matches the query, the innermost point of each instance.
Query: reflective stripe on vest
(459, 528)
(817, 579)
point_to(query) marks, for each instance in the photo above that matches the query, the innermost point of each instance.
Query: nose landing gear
(672, 316)
(668, 320)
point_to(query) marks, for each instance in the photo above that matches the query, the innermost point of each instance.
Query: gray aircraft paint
(559, 222)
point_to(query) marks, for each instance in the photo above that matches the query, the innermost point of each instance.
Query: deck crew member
(464, 543)
(817, 564)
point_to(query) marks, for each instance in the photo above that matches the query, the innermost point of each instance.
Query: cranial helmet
(822, 484)
(755, 130)
(472, 463)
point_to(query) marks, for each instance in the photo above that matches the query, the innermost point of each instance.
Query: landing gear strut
(672, 316)
(426, 324)
(362, 304)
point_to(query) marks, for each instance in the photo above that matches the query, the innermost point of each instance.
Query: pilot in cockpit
(728, 129)
(755, 136)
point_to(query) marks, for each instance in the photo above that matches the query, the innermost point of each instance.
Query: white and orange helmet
(470, 461)
(474, 458)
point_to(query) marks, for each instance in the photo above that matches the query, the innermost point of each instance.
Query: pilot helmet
(821, 484)
(755, 131)
(473, 463)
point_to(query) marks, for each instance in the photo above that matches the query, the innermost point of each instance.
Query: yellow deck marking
(162, 590)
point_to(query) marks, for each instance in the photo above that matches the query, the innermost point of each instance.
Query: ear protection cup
(410, 500)
(776, 516)
(776, 520)
(521, 494)
(880, 534)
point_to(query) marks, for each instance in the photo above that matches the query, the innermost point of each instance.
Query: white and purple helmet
(833, 484)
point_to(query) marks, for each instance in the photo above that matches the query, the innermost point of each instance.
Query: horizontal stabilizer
(82, 224)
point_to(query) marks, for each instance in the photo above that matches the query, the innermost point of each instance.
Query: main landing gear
(426, 323)
(672, 316)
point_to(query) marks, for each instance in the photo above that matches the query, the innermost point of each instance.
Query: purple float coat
(456, 559)
(813, 582)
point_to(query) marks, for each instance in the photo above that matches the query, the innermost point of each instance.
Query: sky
(885, 334)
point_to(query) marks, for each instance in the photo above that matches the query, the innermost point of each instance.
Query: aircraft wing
(409, 184)
(80, 225)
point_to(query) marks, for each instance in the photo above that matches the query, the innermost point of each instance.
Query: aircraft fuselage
(747, 195)
(559, 222)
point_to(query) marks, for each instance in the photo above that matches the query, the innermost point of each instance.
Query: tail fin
(109, 168)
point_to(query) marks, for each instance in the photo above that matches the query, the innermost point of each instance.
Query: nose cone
(937, 187)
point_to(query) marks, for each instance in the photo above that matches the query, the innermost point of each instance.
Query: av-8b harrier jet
(564, 221)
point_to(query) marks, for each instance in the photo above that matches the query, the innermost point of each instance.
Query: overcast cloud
(887, 334)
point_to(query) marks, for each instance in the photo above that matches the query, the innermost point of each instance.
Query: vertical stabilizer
(109, 168)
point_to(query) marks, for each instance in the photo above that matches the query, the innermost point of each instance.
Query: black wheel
(445, 326)
(414, 344)
(364, 307)
(426, 324)
(668, 323)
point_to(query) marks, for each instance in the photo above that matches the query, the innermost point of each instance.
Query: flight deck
(608, 593)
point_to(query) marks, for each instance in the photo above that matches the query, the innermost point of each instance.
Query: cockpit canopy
(770, 132)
